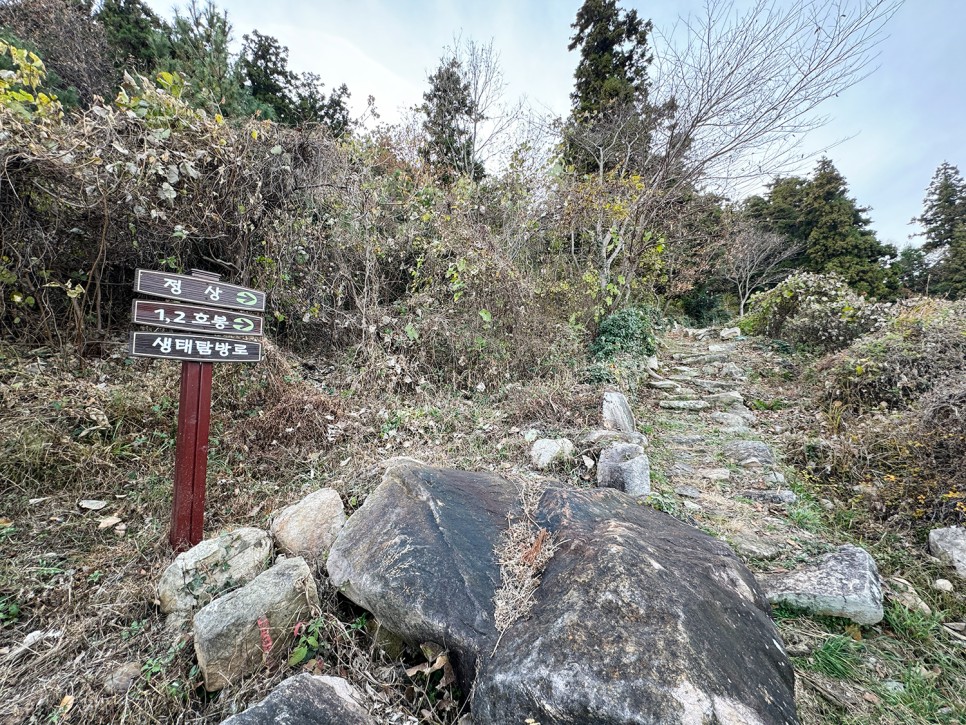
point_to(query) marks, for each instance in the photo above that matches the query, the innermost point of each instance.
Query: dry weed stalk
(523, 552)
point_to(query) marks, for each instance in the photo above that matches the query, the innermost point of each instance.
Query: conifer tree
(944, 227)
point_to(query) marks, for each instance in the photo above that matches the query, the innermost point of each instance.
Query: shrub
(814, 310)
(630, 330)
(924, 343)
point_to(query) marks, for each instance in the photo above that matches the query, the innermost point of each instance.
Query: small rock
(665, 385)
(730, 333)
(204, 571)
(893, 686)
(753, 547)
(711, 385)
(844, 583)
(942, 585)
(120, 681)
(949, 546)
(598, 439)
(310, 700)
(651, 363)
(309, 527)
(826, 504)
(716, 347)
(739, 451)
(728, 420)
(616, 413)
(903, 592)
(691, 505)
(751, 463)
(92, 504)
(624, 466)
(548, 451)
(684, 404)
(776, 497)
(714, 474)
(687, 491)
(775, 477)
(531, 435)
(730, 370)
(237, 631)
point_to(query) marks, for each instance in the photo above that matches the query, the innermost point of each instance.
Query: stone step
(691, 405)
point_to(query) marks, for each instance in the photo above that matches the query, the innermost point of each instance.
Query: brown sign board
(175, 346)
(187, 288)
(196, 319)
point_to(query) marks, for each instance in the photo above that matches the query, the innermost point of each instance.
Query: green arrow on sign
(243, 324)
(246, 298)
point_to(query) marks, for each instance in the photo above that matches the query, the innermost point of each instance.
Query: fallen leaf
(872, 697)
(424, 667)
(4, 523)
(854, 631)
(108, 522)
(92, 504)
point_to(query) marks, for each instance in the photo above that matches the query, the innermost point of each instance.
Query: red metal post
(191, 455)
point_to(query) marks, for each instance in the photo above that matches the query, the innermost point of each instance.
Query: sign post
(197, 354)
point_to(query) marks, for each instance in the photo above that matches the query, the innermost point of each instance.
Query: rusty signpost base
(191, 455)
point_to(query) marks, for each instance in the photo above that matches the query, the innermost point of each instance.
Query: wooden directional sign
(195, 319)
(187, 288)
(175, 346)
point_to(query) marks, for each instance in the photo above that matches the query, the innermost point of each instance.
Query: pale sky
(899, 124)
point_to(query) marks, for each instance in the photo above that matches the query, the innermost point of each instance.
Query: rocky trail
(655, 557)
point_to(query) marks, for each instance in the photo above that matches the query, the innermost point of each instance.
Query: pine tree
(944, 223)
(200, 39)
(449, 110)
(944, 208)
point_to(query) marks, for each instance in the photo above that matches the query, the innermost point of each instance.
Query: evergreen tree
(449, 110)
(832, 230)
(310, 104)
(200, 39)
(264, 66)
(284, 95)
(137, 35)
(614, 58)
(611, 121)
(944, 222)
(944, 208)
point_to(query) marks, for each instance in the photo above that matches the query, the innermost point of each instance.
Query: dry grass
(523, 552)
(106, 430)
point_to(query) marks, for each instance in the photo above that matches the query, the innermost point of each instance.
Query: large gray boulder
(843, 583)
(309, 527)
(638, 619)
(625, 466)
(949, 546)
(307, 699)
(212, 567)
(419, 554)
(235, 632)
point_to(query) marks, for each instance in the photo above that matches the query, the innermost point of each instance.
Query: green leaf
(487, 317)
(411, 332)
(298, 655)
